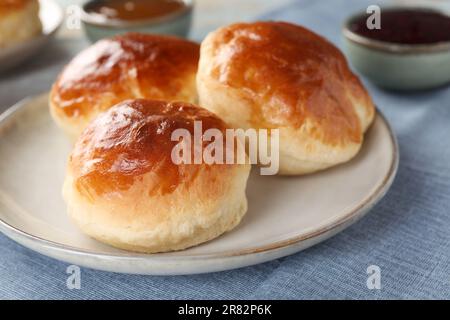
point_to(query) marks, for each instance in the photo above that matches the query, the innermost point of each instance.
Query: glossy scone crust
(280, 75)
(124, 67)
(123, 189)
(19, 21)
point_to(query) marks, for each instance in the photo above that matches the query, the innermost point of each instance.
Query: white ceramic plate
(51, 17)
(285, 214)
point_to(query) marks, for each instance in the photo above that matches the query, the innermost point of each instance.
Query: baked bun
(280, 75)
(124, 67)
(122, 187)
(19, 21)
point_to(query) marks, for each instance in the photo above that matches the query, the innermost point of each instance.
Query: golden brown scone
(123, 188)
(124, 67)
(19, 21)
(280, 75)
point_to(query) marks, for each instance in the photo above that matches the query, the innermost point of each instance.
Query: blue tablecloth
(407, 235)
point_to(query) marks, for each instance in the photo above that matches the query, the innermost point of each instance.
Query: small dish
(51, 16)
(286, 214)
(398, 66)
(177, 23)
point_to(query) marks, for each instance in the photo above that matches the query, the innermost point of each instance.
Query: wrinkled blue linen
(407, 234)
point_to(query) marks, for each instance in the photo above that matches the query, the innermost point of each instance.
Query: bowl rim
(93, 20)
(393, 47)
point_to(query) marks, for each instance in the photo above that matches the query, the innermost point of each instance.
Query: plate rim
(342, 222)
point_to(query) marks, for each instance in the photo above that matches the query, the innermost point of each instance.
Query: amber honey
(134, 10)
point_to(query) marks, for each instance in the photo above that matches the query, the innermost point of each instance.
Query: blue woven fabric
(407, 234)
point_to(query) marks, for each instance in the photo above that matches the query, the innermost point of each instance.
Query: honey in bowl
(134, 10)
(406, 26)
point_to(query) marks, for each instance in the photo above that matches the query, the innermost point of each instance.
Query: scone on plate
(123, 188)
(19, 21)
(281, 75)
(127, 66)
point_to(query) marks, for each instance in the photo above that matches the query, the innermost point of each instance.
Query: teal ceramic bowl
(398, 66)
(177, 23)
